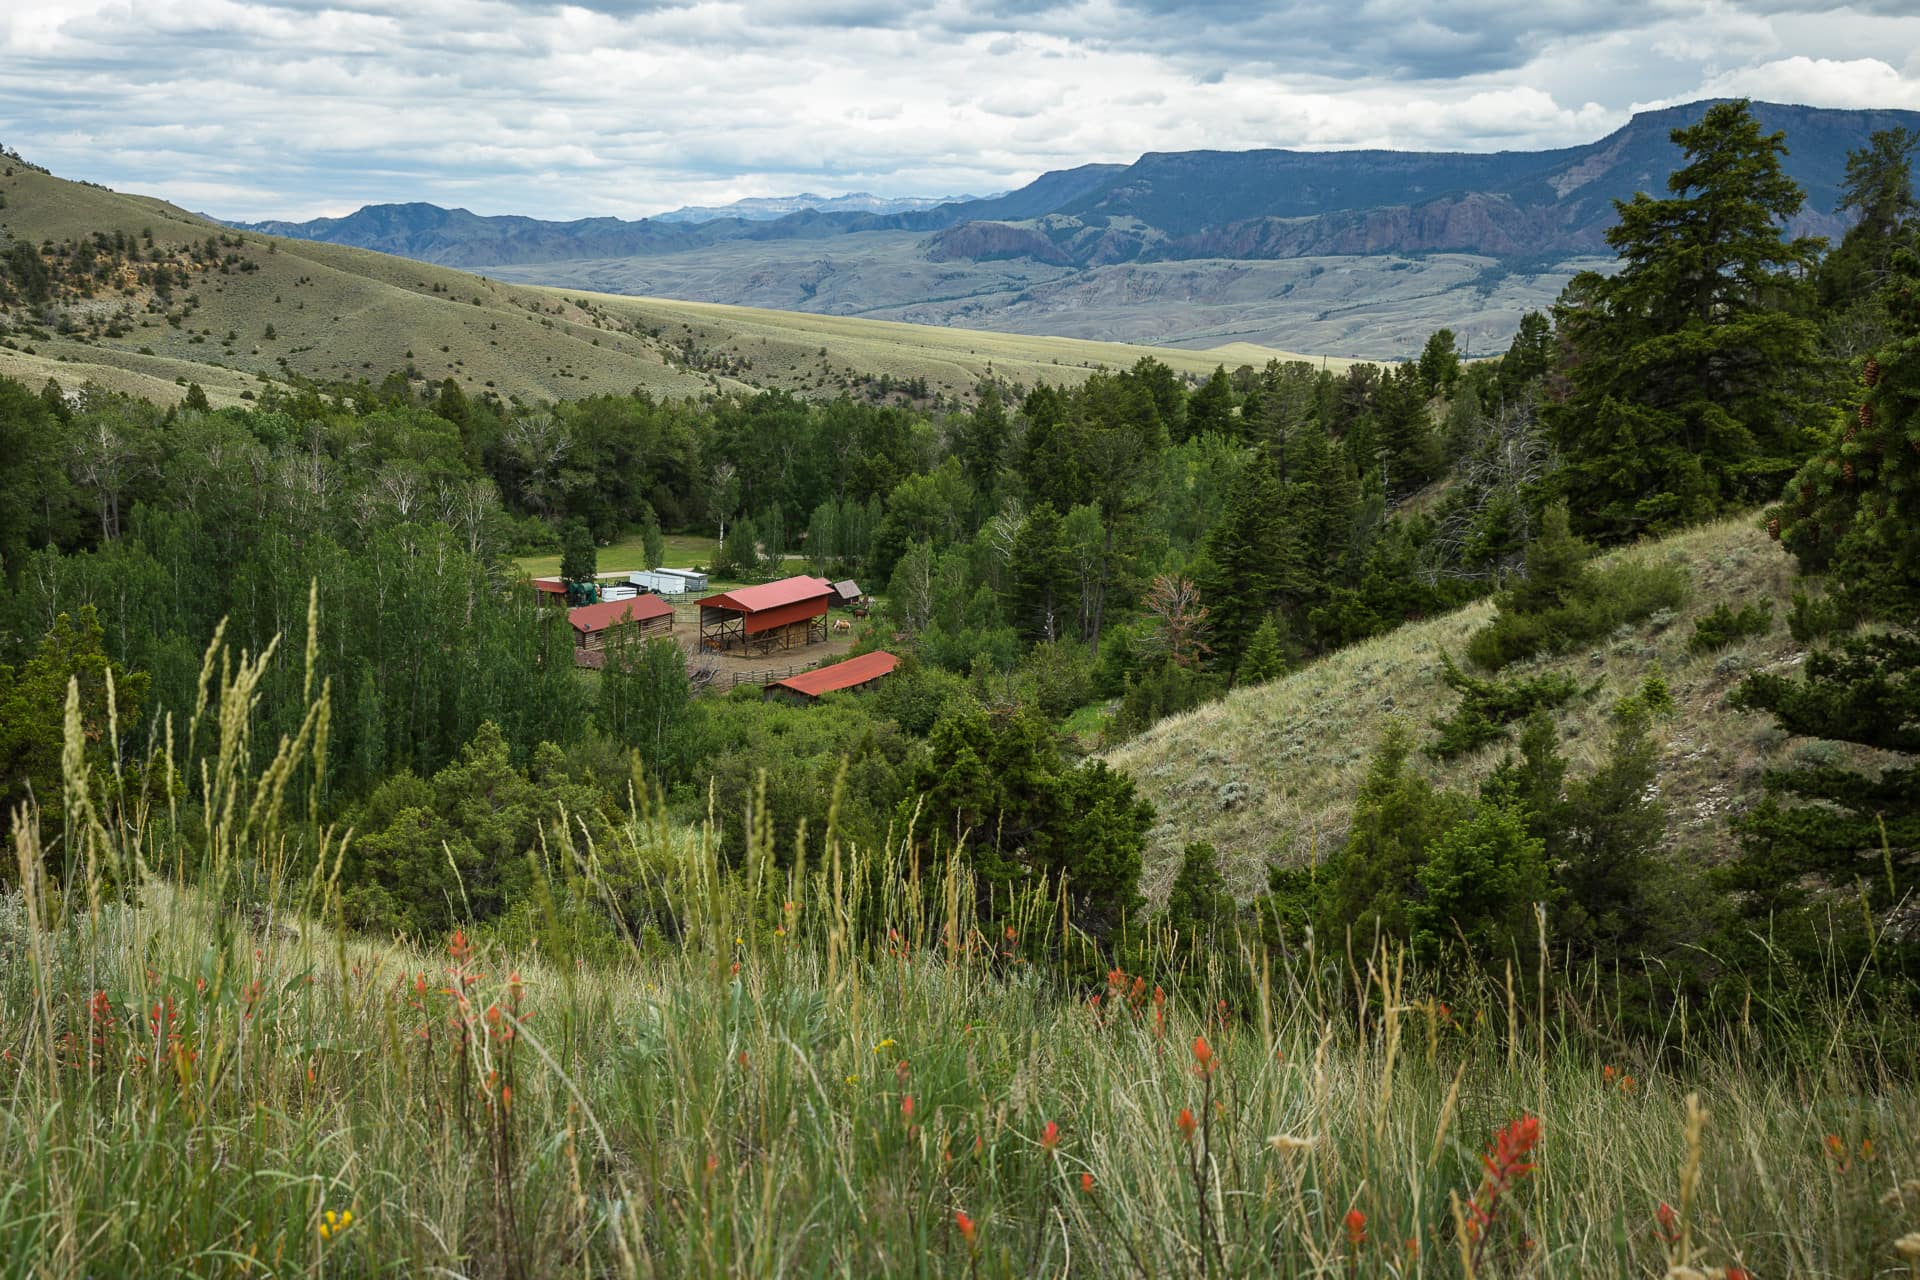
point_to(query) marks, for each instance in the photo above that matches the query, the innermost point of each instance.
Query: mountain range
(767, 208)
(1356, 252)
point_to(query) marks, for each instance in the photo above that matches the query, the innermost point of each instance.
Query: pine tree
(1528, 357)
(1210, 409)
(1254, 560)
(196, 399)
(579, 562)
(981, 439)
(1439, 363)
(33, 716)
(1878, 188)
(1198, 904)
(1853, 512)
(1041, 601)
(451, 404)
(1410, 450)
(653, 542)
(1692, 371)
(1266, 656)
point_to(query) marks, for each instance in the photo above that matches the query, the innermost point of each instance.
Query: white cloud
(262, 108)
(1819, 82)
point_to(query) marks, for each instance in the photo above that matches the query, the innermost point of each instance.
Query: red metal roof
(552, 586)
(771, 595)
(841, 675)
(589, 618)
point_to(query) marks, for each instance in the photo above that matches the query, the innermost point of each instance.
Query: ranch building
(599, 627)
(773, 615)
(862, 672)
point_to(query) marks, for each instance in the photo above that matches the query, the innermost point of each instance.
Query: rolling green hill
(140, 296)
(1269, 774)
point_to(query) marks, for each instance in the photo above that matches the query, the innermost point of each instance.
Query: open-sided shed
(855, 673)
(773, 615)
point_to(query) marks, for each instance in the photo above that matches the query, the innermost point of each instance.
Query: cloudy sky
(298, 108)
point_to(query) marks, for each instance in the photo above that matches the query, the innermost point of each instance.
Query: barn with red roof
(760, 619)
(855, 673)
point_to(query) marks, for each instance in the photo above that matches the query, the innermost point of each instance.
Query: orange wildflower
(1202, 1056)
(1050, 1136)
(1356, 1222)
(1187, 1123)
(965, 1224)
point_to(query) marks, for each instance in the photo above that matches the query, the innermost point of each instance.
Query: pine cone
(1866, 416)
(1847, 472)
(1872, 372)
(1773, 528)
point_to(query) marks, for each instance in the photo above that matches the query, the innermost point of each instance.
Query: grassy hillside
(1269, 774)
(146, 297)
(825, 353)
(335, 312)
(240, 1091)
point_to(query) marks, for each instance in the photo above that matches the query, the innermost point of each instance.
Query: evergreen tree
(1041, 600)
(1210, 409)
(739, 555)
(1439, 363)
(451, 404)
(1529, 356)
(1265, 657)
(653, 543)
(579, 562)
(33, 716)
(1048, 463)
(1478, 883)
(981, 439)
(1853, 512)
(1199, 905)
(1255, 563)
(196, 400)
(1611, 828)
(1410, 451)
(1879, 190)
(1375, 878)
(1692, 369)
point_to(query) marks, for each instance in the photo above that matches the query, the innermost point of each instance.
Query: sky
(252, 109)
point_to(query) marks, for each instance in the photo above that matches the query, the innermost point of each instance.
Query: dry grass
(1269, 773)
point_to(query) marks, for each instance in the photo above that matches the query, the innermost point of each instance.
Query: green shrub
(1058, 677)
(1604, 600)
(1726, 626)
(1158, 692)
(1488, 707)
